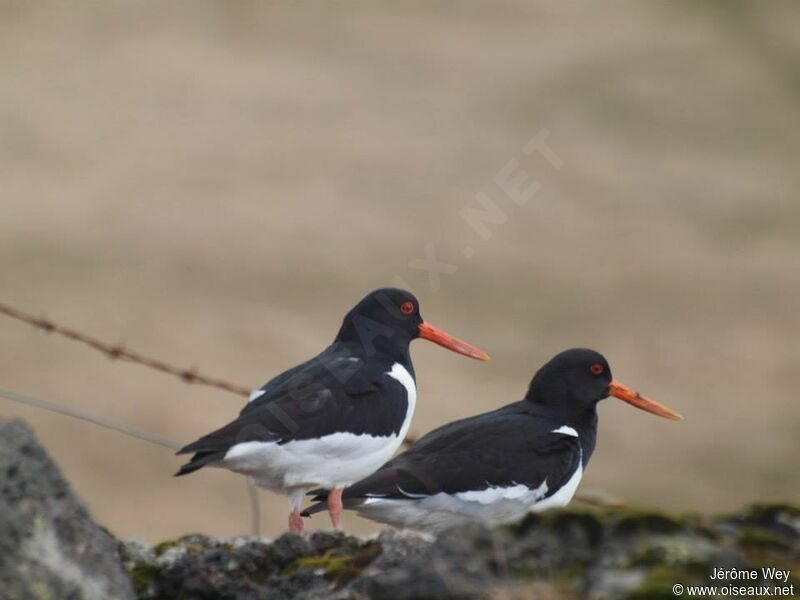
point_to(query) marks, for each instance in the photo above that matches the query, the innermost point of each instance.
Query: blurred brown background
(217, 183)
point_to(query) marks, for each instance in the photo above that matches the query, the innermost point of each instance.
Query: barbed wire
(120, 352)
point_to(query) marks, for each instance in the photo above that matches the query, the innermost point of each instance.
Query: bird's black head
(575, 380)
(387, 319)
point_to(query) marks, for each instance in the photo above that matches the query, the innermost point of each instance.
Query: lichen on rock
(622, 553)
(50, 548)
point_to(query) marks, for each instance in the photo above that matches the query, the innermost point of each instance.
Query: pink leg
(295, 522)
(335, 507)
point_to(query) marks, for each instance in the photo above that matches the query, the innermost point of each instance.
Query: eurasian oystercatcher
(336, 418)
(495, 467)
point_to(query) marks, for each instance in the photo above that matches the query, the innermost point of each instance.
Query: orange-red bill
(437, 336)
(623, 392)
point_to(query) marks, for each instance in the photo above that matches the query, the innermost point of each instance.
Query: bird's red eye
(597, 369)
(407, 307)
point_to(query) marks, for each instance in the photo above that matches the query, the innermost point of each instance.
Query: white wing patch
(409, 494)
(566, 430)
(256, 394)
(490, 495)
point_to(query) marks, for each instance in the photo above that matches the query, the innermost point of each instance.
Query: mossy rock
(659, 581)
(609, 552)
(143, 576)
(191, 547)
(672, 556)
(634, 521)
(340, 565)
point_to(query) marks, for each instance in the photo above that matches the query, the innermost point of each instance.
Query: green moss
(571, 573)
(760, 539)
(767, 510)
(142, 577)
(164, 546)
(651, 557)
(39, 523)
(620, 520)
(336, 565)
(673, 552)
(768, 549)
(763, 514)
(557, 520)
(634, 520)
(563, 521)
(40, 590)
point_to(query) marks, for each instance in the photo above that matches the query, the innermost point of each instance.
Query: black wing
(331, 393)
(506, 447)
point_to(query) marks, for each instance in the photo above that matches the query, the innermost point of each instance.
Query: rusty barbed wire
(120, 352)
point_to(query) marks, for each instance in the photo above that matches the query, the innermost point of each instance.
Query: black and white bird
(496, 467)
(336, 418)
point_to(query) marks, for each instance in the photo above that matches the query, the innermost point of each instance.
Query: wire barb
(120, 352)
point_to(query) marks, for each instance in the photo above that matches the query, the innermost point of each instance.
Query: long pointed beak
(623, 392)
(437, 336)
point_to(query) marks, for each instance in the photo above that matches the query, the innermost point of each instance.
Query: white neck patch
(566, 430)
(401, 374)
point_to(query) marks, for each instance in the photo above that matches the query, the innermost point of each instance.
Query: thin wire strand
(120, 352)
(255, 509)
(76, 413)
(134, 432)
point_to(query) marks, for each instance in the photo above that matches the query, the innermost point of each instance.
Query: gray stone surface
(49, 546)
(51, 549)
(616, 553)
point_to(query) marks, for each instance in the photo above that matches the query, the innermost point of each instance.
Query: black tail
(314, 508)
(199, 460)
(320, 496)
(208, 449)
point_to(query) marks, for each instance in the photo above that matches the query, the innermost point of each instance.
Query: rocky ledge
(49, 548)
